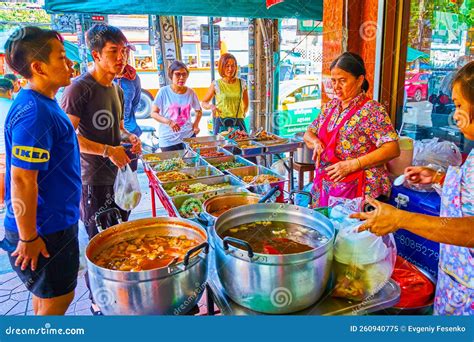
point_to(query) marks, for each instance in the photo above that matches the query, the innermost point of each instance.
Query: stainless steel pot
(275, 284)
(303, 154)
(167, 290)
(230, 200)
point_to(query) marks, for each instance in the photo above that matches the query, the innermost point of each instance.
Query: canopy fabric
(299, 9)
(72, 52)
(414, 54)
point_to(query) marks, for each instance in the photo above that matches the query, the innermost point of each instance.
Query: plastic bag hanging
(363, 263)
(127, 189)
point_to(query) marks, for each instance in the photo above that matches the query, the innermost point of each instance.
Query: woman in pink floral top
(352, 139)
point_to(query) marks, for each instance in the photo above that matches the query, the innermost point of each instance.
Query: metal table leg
(292, 181)
(153, 201)
(209, 301)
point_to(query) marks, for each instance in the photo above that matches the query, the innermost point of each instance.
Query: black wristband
(32, 240)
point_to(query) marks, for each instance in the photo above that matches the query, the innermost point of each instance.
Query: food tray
(198, 172)
(255, 150)
(151, 157)
(281, 146)
(190, 162)
(238, 159)
(206, 144)
(203, 151)
(259, 188)
(209, 138)
(177, 201)
(235, 182)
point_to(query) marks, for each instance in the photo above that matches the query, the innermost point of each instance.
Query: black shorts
(54, 276)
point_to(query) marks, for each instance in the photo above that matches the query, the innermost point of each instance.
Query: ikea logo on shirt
(31, 154)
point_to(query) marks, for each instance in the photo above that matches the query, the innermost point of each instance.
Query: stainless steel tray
(190, 162)
(255, 150)
(205, 144)
(152, 157)
(281, 146)
(177, 201)
(198, 172)
(205, 139)
(238, 159)
(203, 151)
(233, 181)
(255, 171)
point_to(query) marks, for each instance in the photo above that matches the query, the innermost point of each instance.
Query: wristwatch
(105, 154)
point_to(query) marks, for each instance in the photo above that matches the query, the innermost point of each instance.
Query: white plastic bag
(440, 154)
(363, 263)
(127, 189)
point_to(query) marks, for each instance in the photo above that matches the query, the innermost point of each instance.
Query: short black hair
(11, 77)
(6, 85)
(27, 44)
(176, 65)
(98, 36)
(352, 63)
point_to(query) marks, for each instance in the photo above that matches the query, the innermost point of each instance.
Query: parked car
(416, 86)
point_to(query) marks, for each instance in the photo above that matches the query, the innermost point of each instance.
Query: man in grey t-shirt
(94, 103)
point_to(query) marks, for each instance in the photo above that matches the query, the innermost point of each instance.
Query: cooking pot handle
(99, 215)
(228, 239)
(269, 194)
(189, 253)
(305, 193)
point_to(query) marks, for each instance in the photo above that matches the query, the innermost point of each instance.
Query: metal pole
(211, 47)
(251, 74)
(81, 42)
(163, 80)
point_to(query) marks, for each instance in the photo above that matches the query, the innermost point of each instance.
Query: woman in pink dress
(352, 138)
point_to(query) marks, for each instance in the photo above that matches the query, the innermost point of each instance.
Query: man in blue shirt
(43, 179)
(6, 92)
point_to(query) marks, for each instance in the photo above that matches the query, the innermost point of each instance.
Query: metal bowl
(168, 290)
(275, 284)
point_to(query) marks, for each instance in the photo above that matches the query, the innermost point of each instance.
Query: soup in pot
(145, 252)
(275, 237)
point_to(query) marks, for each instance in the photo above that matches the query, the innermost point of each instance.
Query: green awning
(299, 9)
(72, 52)
(414, 54)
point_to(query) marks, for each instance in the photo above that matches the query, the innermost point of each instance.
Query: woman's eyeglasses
(180, 74)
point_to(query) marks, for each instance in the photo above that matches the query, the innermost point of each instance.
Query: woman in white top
(172, 109)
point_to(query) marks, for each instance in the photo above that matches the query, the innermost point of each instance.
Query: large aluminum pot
(303, 154)
(163, 291)
(275, 284)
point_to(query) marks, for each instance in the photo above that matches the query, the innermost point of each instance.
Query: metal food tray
(148, 158)
(190, 162)
(206, 144)
(208, 181)
(198, 172)
(205, 139)
(255, 150)
(255, 171)
(177, 201)
(218, 160)
(285, 145)
(217, 149)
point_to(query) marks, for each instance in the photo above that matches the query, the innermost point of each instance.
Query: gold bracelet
(360, 164)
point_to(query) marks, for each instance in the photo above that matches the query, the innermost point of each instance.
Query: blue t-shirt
(40, 136)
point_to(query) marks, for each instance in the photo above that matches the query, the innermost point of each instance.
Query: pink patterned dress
(368, 129)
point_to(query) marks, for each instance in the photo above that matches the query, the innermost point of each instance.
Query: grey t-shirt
(100, 109)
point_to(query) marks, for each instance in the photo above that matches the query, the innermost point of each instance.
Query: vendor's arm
(206, 101)
(245, 99)
(24, 199)
(197, 109)
(387, 219)
(380, 156)
(116, 153)
(311, 137)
